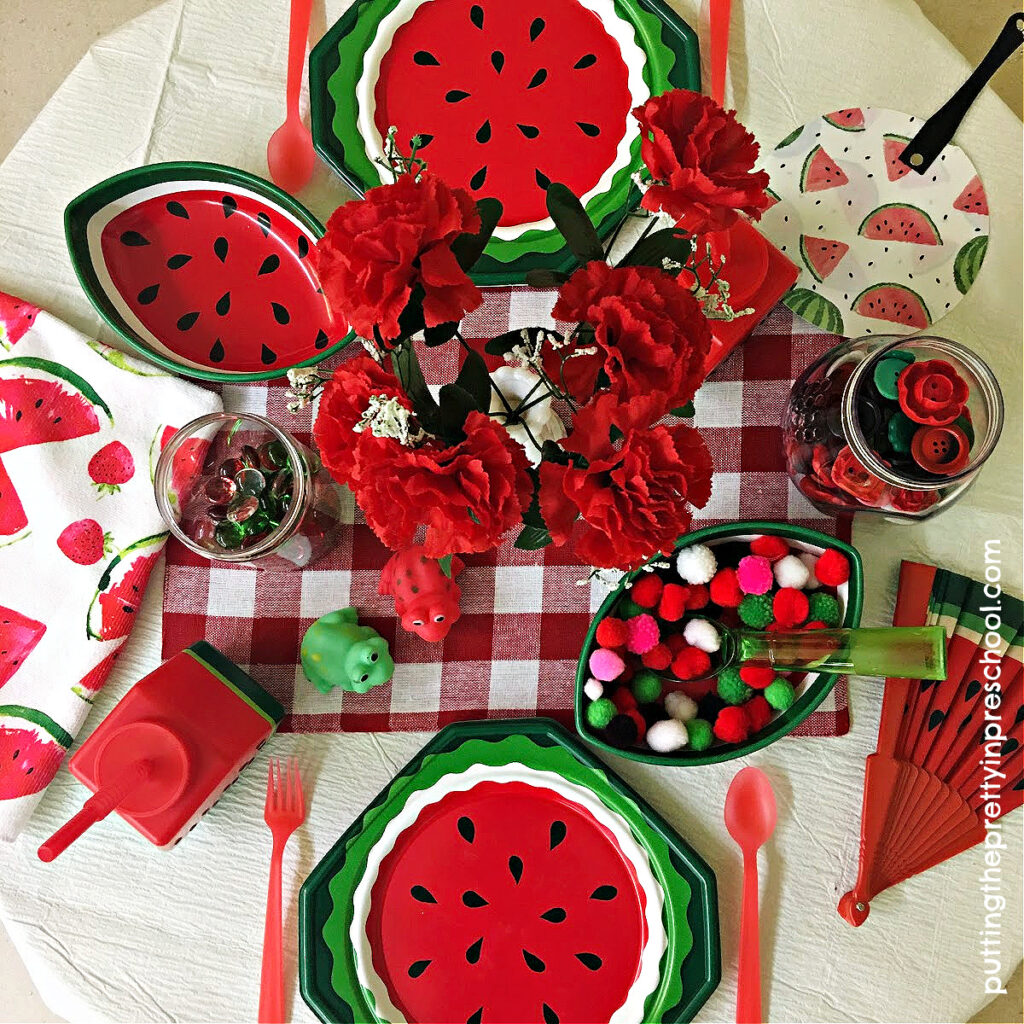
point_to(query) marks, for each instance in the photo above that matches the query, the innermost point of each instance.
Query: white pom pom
(593, 689)
(810, 561)
(703, 635)
(667, 735)
(680, 706)
(696, 564)
(791, 572)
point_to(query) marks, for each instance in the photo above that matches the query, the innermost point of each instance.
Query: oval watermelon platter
(501, 104)
(205, 270)
(506, 875)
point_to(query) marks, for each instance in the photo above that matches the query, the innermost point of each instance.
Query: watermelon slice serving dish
(505, 875)
(505, 98)
(205, 270)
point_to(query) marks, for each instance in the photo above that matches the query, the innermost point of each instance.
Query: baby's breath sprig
(395, 162)
(306, 383)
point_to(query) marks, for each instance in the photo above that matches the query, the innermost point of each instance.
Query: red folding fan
(932, 782)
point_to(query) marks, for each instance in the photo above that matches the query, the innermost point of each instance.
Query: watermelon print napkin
(81, 427)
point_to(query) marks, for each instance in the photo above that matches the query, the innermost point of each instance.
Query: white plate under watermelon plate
(385, 902)
(881, 249)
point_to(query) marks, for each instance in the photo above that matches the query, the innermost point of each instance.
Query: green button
(901, 432)
(886, 373)
(902, 354)
(966, 426)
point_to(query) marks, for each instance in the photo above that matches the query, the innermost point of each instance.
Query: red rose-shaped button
(905, 500)
(932, 392)
(850, 475)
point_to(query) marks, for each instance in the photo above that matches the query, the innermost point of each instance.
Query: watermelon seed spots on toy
(267, 355)
(321, 339)
(536, 27)
(515, 867)
(534, 962)
(217, 351)
(1009, 746)
(935, 719)
(269, 265)
(473, 953)
(187, 321)
(473, 899)
(466, 828)
(223, 304)
(497, 60)
(556, 915)
(483, 133)
(263, 219)
(425, 140)
(455, 95)
(542, 179)
(148, 294)
(589, 960)
(230, 205)
(416, 969)
(476, 15)
(539, 77)
(586, 61)
(175, 209)
(529, 130)
(478, 179)
(133, 238)
(178, 261)
(604, 892)
(588, 129)
(220, 248)
(426, 59)
(281, 314)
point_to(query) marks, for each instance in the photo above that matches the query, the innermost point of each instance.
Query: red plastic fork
(284, 811)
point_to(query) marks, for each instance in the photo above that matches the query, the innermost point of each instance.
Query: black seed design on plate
(455, 95)
(473, 953)
(529, 130)
(927, 684)
(220, 248)
(1019, 717)
(935, 719)
(466, 828)
(302, 246)
(478, 179)
(1019, 785)
(497, 60)
(483, 133)
(223, 304)
(604, 892)
(269, 265)
(556, 834)
(416, 969)
(133, 238)
(476, 1017)
(515, 866)
(534, 962)
(422, 894)
(963, 725)
(178, 261)
(586, 61)
(148, 295)
(1009, 746)
(973, 688)
(556, 915)
(542, 179)
(263, 219)
(281, 314)
(217, 351)
(476, 15)
(550, 1017)
(267, 355)
(230, 204)
(321, 339)
(473, 899)
(425, 59)
(425, 140)
(538, 78)
(175, 209)
(536, 27)
(588, 129)
(187, 321)
(589, 960)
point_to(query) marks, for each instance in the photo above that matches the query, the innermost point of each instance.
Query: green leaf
(65, 374)
(684, 412)
(446, 565)
(671, 243)
(551, 451)
(435, 336)
(406, 365)
(532, 538)
(540, 278)
(456, 404)
(468, 248)
(474, 378)
(572, 221)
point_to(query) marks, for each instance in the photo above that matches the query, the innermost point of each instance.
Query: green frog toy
(337, 651)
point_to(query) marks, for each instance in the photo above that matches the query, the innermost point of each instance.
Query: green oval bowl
(816, 688)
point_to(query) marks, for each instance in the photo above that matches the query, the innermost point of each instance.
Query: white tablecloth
(115, 930)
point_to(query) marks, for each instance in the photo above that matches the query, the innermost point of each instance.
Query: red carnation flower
(378, 248)
(701, 159)
(652, 335)
(634, 495)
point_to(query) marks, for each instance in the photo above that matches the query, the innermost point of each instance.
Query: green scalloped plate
(662, 54)
(691, 964)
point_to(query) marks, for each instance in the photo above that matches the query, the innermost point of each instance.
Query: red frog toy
(426, 598)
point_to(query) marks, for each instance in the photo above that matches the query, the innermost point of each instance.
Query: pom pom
(646, 687)
(703, 635)
(593, 689)
(676, 642)
(600, 713)
(666, 736)
(725, 589)
(731, 687)
(780, 694)
(772, 548)
(814, 624)
(790, 607)
(680, 706)
(698, 598)
(810, 561)
(710, 706)
(757, 678)
(673, 602)
(659, 657)
(639, 721)
(611, 633)
(606, 665)
(731, 725)
(696, 564)
(700, 733)
(652, 713)
(627, 609)
(756, 611)
(754, 575)
(643, 634)
(759, 713)
(691, 663)
(647, 590)
(623, 699)
(833, 568)
(791, 572)
(622, 730)
(824, 608)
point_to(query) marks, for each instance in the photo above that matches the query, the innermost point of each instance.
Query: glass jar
(863, 435)
(237, 488)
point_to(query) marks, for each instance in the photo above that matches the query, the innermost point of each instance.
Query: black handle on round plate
(939, 129)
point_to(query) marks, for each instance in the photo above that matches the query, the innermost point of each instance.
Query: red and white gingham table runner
(513, 652)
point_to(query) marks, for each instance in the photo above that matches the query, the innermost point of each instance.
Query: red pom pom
(623, 699)
(790, 607)
(676, 642)
(691, 663)
(725, 590)
(832, 568)
(815, 625)
(612, 633)
(641, 723)
(658, 658)
(699, 597)
(673, 602)
(758, 712)
(731, 725)
(772, 548)
(756, 677)
(627, 674)
(646, 590)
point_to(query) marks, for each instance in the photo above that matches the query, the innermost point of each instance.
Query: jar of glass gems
(238, 488)
(896, 426)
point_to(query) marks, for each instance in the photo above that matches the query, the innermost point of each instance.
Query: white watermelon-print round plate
(881, 249)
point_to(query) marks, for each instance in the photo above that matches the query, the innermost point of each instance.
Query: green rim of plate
(336, 65)
(815, 693)
(84, 207)
(691, 965)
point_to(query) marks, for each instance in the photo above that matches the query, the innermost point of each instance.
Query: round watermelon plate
(205, 270)
(507, 875)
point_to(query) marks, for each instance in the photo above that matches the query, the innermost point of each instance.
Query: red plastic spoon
(290, 154)
(750, 817)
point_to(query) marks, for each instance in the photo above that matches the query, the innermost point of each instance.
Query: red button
(941, 450)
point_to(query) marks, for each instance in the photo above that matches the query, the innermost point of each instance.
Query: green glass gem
(966, 426)
(901, 431)
(886, 373)
(229, 535)
(902, 354)
(250, 482)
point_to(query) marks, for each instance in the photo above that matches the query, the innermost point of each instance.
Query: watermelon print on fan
(881, 247)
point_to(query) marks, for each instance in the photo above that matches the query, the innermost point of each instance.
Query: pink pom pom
(606, 665)
(643, 634)
(754, 575)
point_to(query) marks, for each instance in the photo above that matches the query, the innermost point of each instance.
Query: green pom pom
(780, 694)
(601, 712)
(627, 608)
(700, 733)
(756, 611)
(731, 687)
(646, 687)
(824, 608)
